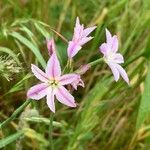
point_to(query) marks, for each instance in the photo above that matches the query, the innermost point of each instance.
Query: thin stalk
(50, 131)
(96, 62)
(15, 113)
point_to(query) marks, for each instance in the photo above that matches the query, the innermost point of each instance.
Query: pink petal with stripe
(114, 44)
(123, 73)
(104, 49)
(38, 91)
(53, 69)
(118, 58)
(108, 36)
(65, 97)
(39, 73)
(114, 71)
(67, 79)
(73, 49)
(50, 99)
(87, 31)
(77, 82)
(85, 40)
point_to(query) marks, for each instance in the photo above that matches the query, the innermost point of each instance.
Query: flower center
(109, 58)
(53, 83)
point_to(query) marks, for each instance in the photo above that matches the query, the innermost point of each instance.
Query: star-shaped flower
(112, 58)
(80, 37)
(52, 84)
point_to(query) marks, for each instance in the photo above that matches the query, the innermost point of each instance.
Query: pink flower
(112, 58)
(77, 82)
(80, 37)
(51, 46)
(52, 84)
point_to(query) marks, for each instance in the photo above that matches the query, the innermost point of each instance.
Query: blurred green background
(109, 116)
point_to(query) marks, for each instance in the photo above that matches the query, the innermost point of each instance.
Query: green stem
(93, 63)
(15, 113)
(50, 131)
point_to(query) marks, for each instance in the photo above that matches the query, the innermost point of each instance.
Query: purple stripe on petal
(65, 97)
(84, 40)
(67, 79)
(114, 71)
(39, 73)
(104, 49)
(87, 31)
(123, 73)
(114, 46)
(73, 49)
(50, 99)
(118, 58)
(53, 68)
(38, 91)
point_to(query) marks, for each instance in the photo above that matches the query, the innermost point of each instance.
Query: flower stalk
(50, 131)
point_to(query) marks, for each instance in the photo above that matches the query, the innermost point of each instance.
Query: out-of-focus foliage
(108, 113)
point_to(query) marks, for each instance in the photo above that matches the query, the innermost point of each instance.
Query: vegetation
(110, 115)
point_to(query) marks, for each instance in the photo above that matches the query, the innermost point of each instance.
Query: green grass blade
(19, 86)
(31, 46)
(144, 108)
(10, 139)
(43, 120)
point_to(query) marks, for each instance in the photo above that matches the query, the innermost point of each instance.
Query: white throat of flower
(53, 83)
(109, 58)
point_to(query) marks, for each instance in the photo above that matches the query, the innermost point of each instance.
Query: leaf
(19, 86)
(144, 108)
(11, 138)
(42, 30)
(147, 49)
(43, 121)
(31, 46)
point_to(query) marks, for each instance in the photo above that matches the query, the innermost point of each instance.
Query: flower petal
(67, 79)
(85, 40)
(108, 36)
(114, 71)
(104, 49)
(77, 82)
(118, 58)
(73, 49)
(50, 99)
(123, 73)
(114, 44)
(53, 68)
(78, 30)
(65, 97)
(38, 91)
(39, 73)
(77, 22)
(87, 31)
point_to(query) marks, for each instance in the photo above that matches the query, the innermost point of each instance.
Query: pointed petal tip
(53, 111)
(106, 30)
(75, 105)
(77, 21)
(128, 82)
